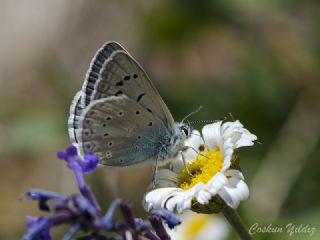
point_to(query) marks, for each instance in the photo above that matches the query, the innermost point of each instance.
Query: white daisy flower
(200, 227)
(211, 176)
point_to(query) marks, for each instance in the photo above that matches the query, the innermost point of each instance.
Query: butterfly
(120, 116)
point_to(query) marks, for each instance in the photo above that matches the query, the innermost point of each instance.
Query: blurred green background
(255, 60)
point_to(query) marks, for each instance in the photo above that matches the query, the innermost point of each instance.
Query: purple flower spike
(71, 151)
(157, 224)
(89, 162)
(86, 165)
(169, 218)
(38, 229)
(107, 221)
(84, 206)
(126, 210)
(80, 166)
(30, 221)
(83, 214)
(73, 229)
(43, 197)
(62, 155)
(156, 217)
(141, 224)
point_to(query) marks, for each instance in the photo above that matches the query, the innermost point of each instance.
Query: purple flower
(80, 166)
(156, 216)
(83, 213)
(87, 164)
(168, 217)
(38, 228)
(42, 196)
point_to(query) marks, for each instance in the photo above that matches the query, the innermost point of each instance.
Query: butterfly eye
(185, 130)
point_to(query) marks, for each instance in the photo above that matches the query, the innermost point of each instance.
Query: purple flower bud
(89, 162)
(141, 224)
(43, 196)
(77, 164)
(38, 229)
(126, 210)
(84, 206)
(169, 218)
(73, 229)
(156, 222)
(71, 151)
(62, 155)
(30, 221)
(107, 221)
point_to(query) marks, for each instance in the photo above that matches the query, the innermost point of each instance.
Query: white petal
(194, 143)
(216, 183)
(157, 198)
(203, 197)
(212, 187)
(212, 135)
(182, 201)
(234, 173)
(227, 152)
(234, 192)
(172, 199)
(240, 136)
(229, 128)
(246, 140)
(226, 137)
(195, 140)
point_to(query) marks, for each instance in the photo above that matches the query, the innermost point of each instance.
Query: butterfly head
(185, 129)
(185, 126)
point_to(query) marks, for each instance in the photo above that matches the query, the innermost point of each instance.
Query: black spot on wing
(140, 96)
(126, 78)
(120, 83)
(118, 93)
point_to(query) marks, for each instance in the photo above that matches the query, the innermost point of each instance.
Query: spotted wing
(120, 131)
(96, 65)
(82, 98)
(121, 74)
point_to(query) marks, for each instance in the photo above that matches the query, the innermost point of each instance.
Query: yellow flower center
(202, 169)
(195, 225)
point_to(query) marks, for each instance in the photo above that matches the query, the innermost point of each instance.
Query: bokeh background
(256, 61)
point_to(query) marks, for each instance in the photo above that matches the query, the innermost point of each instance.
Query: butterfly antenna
(204, 121)
(231, 116)
(190, 114)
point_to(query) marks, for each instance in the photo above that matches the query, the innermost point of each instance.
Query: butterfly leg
(196, 151)
(155, 171)
(185, 164)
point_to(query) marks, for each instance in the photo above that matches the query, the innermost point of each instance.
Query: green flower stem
(236, 222)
